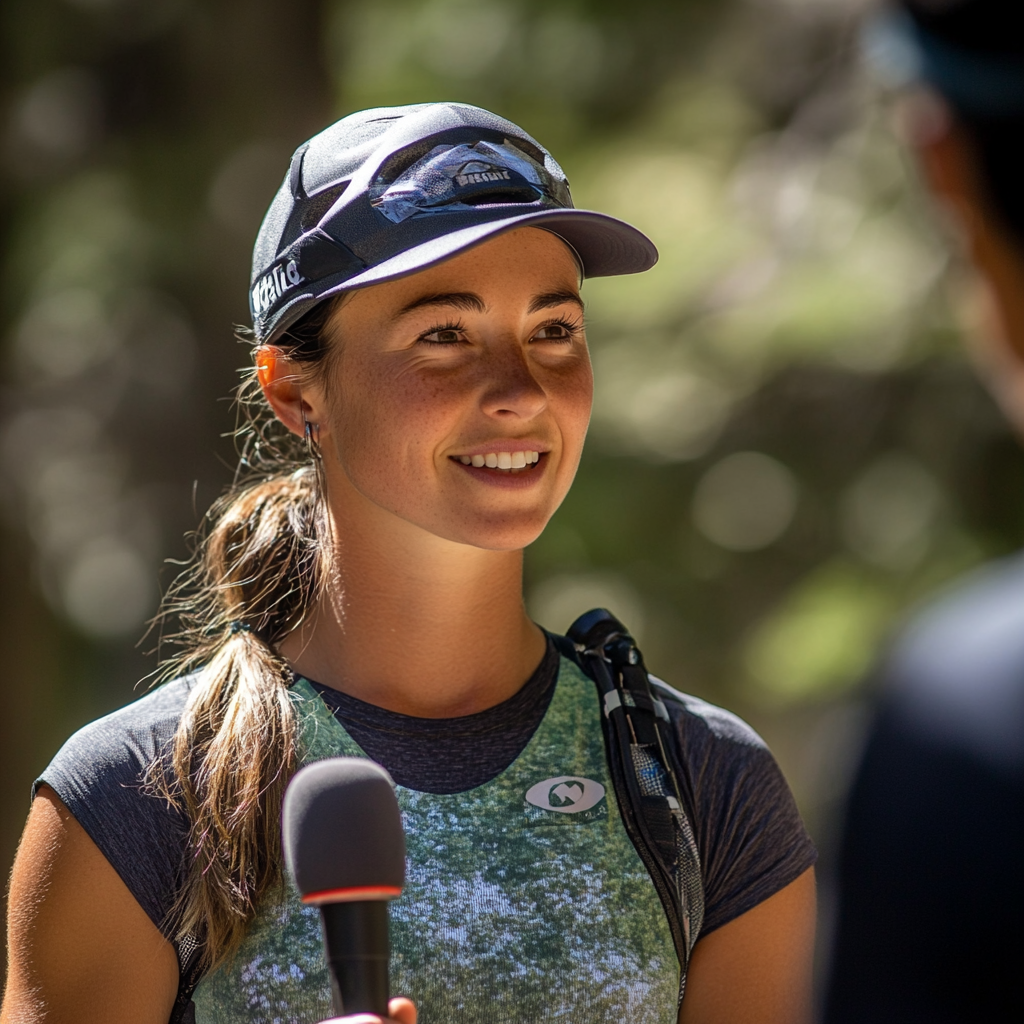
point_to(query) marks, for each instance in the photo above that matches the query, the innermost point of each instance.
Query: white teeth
(501, 460)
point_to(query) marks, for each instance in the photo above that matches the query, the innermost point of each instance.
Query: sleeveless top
(525, 899)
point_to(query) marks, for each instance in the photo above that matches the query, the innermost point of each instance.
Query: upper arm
(81, 948)
(757, 968)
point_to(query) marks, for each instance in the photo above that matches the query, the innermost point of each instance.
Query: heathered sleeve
(751, 838)
(98, 775)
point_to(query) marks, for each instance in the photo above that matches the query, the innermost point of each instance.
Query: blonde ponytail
(257, 573)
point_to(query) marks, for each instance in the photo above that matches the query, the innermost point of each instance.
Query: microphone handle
(357, 951)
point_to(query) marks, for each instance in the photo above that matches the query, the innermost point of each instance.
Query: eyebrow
(471, 302)
(550, 299)
(468, 301)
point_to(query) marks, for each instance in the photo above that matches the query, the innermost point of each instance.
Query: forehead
(512, 267)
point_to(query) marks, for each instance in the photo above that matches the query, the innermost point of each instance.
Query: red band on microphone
(364, 892)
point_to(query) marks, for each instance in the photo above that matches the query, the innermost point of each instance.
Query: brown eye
(553, 332)
(448, 336)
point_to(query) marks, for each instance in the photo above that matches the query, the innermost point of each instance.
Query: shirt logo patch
(566, 794)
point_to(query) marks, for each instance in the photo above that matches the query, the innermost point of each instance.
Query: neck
(417, 624)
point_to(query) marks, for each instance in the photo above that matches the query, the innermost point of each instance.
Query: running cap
(393, 190)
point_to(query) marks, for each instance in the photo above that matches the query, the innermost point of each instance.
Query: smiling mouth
(506, 462)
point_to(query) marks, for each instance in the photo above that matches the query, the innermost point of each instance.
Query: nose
(513, 390)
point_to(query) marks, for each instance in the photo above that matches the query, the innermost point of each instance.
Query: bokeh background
(789, 448)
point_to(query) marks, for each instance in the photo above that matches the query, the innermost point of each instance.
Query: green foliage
(567, 68)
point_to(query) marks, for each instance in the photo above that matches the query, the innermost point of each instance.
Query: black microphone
(345, 848)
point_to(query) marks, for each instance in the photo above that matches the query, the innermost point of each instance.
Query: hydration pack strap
(190, 973)
(640, 748)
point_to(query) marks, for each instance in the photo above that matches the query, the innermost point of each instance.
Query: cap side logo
(280, 279)
(566, 794)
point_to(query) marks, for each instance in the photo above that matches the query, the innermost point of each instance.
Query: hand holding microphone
(345, 849)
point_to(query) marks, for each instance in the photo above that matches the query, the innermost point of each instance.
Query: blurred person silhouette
(931, 858)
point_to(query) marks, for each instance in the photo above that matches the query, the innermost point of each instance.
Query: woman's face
(458, 399)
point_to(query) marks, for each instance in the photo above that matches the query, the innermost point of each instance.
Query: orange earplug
(266, 362)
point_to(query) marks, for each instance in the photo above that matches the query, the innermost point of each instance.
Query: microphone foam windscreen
(342, 832)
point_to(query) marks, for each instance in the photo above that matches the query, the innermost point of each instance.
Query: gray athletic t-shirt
(751, 839)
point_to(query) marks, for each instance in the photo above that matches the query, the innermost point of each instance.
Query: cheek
(576, 400)
(388, 426)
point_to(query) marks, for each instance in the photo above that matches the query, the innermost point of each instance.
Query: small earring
(312, 437)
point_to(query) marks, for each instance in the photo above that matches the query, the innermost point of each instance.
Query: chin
(501, 535)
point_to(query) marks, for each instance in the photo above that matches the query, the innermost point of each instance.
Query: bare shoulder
(81, 948)
(757, 968)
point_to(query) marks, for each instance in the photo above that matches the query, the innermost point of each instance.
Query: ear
(294, 402)
(947, 160)
(950, 164)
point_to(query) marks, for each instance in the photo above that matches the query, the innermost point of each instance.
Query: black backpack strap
(190, 973)
(645, 770)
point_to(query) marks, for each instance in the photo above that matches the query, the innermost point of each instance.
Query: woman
(419, 331)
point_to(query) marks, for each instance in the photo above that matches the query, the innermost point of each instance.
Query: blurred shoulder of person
(931, 895)
(929, 881)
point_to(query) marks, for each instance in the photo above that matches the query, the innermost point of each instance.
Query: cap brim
(607, 247)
